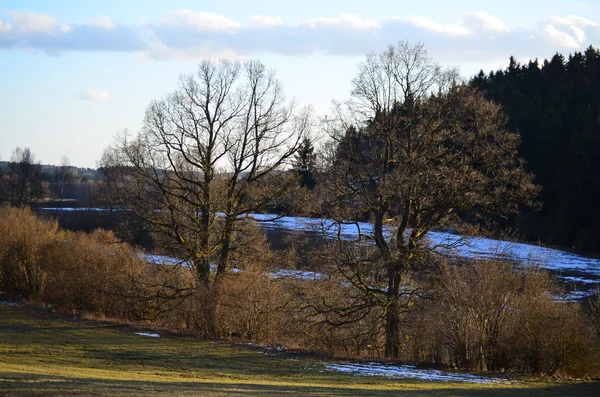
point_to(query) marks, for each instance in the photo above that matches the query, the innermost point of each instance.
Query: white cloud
(95, 95)
(185, 34)
(200, 20)
(451, 30)
(103, 22)
(5, 26)
(559, 37)
(569, 32)
(481, 20)
(343, 21)
(158, 51)
(29, 22)
(265, 20)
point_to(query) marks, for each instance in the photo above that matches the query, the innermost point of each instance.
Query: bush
(96, 273)
(500, 317)
(23, 241)
(75, 271)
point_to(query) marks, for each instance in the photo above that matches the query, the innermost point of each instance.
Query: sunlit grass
(43, 354)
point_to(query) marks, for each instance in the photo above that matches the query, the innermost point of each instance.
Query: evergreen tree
(305, 164)
(556, 108)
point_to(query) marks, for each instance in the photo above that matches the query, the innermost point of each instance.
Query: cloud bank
(195, 34)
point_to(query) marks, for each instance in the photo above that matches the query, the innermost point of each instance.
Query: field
(45, 354)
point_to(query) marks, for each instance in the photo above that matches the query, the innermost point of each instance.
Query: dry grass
(42, 354)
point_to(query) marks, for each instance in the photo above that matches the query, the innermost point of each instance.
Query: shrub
(504, 318)
(97, 273)
(23, 241)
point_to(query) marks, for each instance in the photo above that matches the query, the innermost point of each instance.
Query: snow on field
(297, 274)
(67, 209)
(151, 335)
(164, 260)
(278, 273)
(578, 280)
(408, 372)
(453, 244)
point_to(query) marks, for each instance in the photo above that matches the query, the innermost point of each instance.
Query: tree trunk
(226, 236)
(203, 267)
(392, 316)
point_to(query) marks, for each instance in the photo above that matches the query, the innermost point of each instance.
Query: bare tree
(63, 175)
(209, 153)
(415, 148)
(21, 183)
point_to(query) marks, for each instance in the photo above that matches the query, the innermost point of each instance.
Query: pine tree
(305, 164)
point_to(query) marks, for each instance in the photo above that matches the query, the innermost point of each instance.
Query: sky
(75, 73)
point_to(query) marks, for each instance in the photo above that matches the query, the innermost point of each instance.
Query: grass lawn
(44, 354)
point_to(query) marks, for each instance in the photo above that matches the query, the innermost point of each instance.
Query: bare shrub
(330, 317)
(74, 271)
(97, 273)
(251, 306)
(23, 240)
(553, 338)
(500, 317)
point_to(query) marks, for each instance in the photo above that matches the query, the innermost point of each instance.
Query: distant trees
(64, 175)
(555, 105)
(415, 147)
(21, 181)
(209, 153)
(305, 163)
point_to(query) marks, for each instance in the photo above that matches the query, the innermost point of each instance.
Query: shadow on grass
(12, 384)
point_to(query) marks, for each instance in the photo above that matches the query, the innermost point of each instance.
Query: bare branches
(415, 148)
(208, 148)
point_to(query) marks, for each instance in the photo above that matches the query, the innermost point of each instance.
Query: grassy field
(43, 354)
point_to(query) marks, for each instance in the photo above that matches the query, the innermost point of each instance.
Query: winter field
(45, 354)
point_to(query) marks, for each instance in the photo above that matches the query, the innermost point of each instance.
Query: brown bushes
(482, 316)
(23, 241)
(75, 271)
(96, 273)
(478, 315)
(502, 318)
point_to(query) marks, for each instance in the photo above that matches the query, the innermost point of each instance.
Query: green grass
(43, 354)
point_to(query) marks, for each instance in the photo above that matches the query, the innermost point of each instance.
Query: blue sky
(74, 73)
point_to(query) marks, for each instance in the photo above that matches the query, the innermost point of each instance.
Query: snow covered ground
(408, 372)
(149, 334)
(453, 244)
(278, 273)
(71, 209)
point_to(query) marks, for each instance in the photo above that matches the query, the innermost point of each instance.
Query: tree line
(555, 107)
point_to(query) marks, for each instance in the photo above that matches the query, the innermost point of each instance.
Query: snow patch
(297, 274)
(573, 296)
(579, 280)
(408, 372)
(80, 209)
(164, 260)
(151, 335)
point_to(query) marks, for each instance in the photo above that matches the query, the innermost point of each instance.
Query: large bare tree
(209, 153)
(415, 147)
